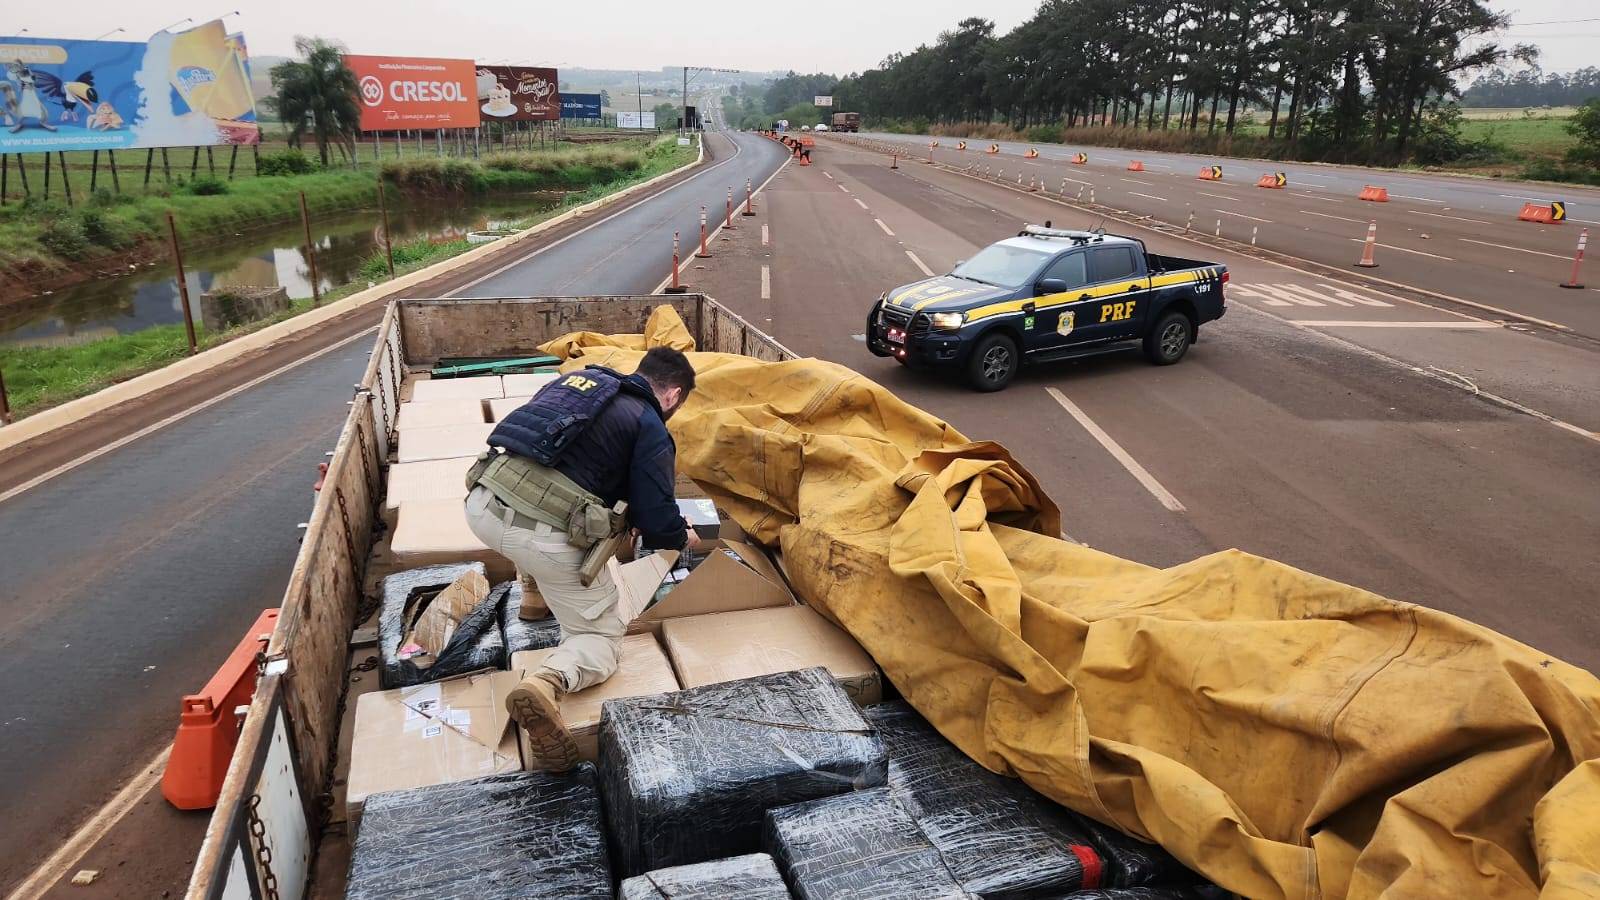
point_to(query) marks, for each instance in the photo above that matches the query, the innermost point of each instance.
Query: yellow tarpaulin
(1280, 733)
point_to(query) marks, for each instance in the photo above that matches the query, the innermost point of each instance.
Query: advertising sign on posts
(518, 94)
(580, 106)
(636, 120)
(400, 92)
(820, 100)
(184, 89)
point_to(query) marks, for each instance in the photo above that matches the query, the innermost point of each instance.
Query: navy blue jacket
(626, 453)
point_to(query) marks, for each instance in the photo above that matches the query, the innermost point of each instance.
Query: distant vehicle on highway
(821, 126)
(1047, 294)
(805, 127)
(847, 121)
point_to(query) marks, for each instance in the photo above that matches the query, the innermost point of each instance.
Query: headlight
(947, 319)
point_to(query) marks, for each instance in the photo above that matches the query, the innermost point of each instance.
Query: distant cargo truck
(847, 121)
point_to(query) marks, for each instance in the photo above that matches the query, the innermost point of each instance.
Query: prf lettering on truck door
(1116, 312)
(579, 382)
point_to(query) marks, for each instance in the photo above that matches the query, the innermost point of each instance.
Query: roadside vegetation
(40, 377)
(1371, 83)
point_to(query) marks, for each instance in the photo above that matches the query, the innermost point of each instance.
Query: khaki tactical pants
(591, 627)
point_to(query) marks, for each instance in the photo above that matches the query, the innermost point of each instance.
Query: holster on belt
(601, 551)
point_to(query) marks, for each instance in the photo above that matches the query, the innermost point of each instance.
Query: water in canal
(266, 258)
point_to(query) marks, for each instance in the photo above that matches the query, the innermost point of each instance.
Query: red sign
(399, 92)
(518, 94)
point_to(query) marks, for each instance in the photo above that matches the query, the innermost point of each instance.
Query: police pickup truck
(1047, 294)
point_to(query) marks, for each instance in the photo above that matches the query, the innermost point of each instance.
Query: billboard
(636, 119)
(518, 94)
(822, 100)
(399, 92)
(580, 106)
(184, 89)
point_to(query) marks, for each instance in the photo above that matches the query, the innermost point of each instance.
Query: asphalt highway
(1457, 236)
(1305, 425)
(129, 578)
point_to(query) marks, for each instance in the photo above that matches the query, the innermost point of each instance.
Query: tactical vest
(544, 427)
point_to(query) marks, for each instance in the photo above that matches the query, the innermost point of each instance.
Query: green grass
(41, 377)
(1538, 136)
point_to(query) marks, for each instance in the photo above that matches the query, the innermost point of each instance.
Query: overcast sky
(835, 36)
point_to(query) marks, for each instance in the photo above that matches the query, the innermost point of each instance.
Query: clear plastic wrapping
(999, 837)
(858, 846)
(687, 776)
(750, 877)
(476, 643)
(519, 634)
(524, 835)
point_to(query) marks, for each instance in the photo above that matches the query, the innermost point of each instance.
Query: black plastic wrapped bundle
(749, 877)
(687, 776)
(475, 644)
(522, 635)
(857, 846)
(1000, 837)
(526, 835)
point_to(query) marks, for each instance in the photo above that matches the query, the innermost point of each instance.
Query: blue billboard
(184, 89)
(580, 106)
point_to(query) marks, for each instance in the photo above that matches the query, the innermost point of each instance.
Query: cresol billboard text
(580, 106)
(184, 89)
(518, 94)
(400, 92)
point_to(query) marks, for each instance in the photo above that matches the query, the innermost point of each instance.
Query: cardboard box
(478, 387)
(720, 584)
(430, 532)
(436, 413)
(499, 409)
(433, 479)
(528, 384)
(702, 516)
(443, 442)
(732, 645)
(643, 672)
(435, 733)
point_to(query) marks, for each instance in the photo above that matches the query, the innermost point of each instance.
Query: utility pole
(698, 70)
(638, 93)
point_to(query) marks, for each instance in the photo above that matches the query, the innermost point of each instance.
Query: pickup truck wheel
(1169, 340)
(994, 363)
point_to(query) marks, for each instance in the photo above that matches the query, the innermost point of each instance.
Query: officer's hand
(694, 542)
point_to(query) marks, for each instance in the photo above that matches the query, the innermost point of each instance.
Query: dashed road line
(1140, 473)
(1336, 323)
(1219, 196)
(1520, 249)
(1137, 181)
(920, 264)
(1419, 212)
(1150, 196)
(766, 282)
(859, 203)
(1340, 218)
(843, 188)
(1422, 199)
(1311, 196)
(1242, 216)
(1409, 250)
(765, 238)
(884, 227)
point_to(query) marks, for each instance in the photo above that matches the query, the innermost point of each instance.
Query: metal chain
(366, 467)
(383, 407)
(349, 537)
(258, 831)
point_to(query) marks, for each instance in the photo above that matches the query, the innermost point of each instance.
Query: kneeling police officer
(568, 477)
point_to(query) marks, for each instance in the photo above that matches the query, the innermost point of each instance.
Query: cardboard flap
(637, 581)
(468, 707)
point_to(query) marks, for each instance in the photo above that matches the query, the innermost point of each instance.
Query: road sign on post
(821, 100)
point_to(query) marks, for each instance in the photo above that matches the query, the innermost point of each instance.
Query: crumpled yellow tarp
(1283, 734)
(664, 328)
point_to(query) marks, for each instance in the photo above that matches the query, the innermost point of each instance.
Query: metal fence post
(383, 207)
(183, 285)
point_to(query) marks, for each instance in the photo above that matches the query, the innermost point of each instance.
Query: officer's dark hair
(665, 367)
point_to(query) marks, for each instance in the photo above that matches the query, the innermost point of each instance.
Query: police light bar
(1041, 231)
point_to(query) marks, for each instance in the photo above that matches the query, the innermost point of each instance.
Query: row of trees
(1533, 87)
(1357, 76)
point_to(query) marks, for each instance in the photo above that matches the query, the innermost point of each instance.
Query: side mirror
(959, 264)
(1052, 286)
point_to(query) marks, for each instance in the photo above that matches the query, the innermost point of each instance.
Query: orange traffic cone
(1136, 166)
(1367, 260)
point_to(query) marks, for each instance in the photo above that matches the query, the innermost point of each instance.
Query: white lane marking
(1509, 247)
(1340, 218)
(1310, 196)
(919, 264)
(1407, 250)
(1308, 292)
(1158, 165)
(766, 283)
(765, 237)
(1584, 221)
(1115, 449)
(176, 417)
(1253, 294)
(1372, 301)
(83, 840)
(737, 149)
(859, 203)
(1137, 181)
(1285, 297)
(1309, 175)
(828, 175)
(1076, 181)
(1219, 196)
(884, 227)
(1529, 199)
(1419, 212)
(1149, 196)
(1331, 323)
(1242, 216)
(1423, 199)
(843, 188)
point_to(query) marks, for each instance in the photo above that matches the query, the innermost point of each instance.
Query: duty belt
(542, 494)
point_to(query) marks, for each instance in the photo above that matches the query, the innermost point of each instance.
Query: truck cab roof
(1053, 240)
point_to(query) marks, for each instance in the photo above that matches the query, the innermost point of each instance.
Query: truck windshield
(1001, 265)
